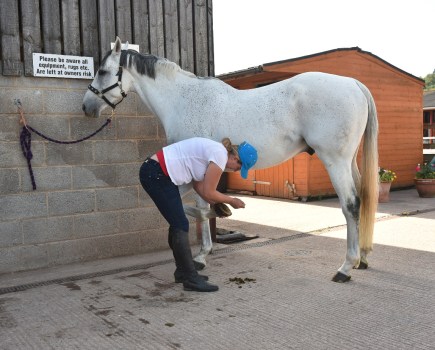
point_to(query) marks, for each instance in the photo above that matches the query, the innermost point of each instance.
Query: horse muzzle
(88, 112)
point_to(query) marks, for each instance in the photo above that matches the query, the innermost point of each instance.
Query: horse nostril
(84, 107)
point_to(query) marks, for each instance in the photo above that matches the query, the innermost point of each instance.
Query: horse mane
(148, 64)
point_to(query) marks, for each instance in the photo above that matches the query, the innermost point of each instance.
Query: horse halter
(117, 84)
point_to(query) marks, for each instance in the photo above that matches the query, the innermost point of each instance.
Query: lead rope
(26, 138)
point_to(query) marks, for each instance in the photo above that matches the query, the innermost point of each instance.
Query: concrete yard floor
(275, 291)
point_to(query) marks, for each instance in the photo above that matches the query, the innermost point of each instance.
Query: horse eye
(102, 72)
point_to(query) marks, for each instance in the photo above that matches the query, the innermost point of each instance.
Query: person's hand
(237, 203)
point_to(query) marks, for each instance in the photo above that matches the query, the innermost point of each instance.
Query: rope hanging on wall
(26, 138)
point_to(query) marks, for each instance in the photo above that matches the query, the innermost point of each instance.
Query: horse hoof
(198, 265)
(363, 266)
(340, 277)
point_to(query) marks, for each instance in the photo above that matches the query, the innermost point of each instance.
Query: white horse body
(319, 112)
(284, 113)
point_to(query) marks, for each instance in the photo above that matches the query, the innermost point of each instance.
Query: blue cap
(248, 157)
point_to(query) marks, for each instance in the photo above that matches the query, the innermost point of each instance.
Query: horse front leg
(202, 213)
(206, 243)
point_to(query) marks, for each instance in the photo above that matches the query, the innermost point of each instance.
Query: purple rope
(26, 144)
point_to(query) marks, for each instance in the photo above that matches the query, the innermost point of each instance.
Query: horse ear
(117, 47)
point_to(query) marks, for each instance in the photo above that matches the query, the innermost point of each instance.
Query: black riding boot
(184, 262)
(179, 274)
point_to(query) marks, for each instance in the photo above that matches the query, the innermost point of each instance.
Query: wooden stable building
(398, 96)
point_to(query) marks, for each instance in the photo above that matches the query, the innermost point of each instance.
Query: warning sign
(63, 66)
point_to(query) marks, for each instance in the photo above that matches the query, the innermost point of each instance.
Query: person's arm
(207, 188)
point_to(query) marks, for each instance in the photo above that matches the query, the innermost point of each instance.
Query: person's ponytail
(231, 149)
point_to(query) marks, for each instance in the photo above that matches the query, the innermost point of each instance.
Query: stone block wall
(89, 203)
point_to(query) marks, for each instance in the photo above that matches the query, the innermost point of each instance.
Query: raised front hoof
(363, 266)
(198, 265)
(340, 278)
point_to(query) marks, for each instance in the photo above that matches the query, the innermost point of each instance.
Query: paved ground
(287, 300)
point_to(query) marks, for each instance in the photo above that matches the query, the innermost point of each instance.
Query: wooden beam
(10, 38)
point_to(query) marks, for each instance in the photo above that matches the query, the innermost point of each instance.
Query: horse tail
(369, 187)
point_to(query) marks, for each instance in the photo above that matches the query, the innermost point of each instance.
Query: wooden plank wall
(180, 30)
(398, 98)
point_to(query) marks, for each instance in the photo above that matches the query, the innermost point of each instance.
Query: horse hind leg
(356, 175)
(342, 178)
(353, 255)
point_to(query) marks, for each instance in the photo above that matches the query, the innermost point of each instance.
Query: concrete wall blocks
(137, 128)
(47, 179)
(10, 234)
(83, 126)
(10, 129)
(117, 198)
(144, 198)
(9, 181)
(55, 127)
(42, 230)
(21, 258)
(96, 224)
(142, 219)
(12, 156)
(128, 174)
(158, 239)
(15, 207)
(71, 202)
(148, 148)
(45, 83)
(89, 203)
(105, 247)
(75, 154)
(63, 101)
(67, 252)
(95, 176)
(128, 105)
(115, 152)
(31, 100)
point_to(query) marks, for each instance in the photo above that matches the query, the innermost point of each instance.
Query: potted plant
(386, 177)
(425, 180)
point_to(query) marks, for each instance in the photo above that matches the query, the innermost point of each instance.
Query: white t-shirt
(188, 160)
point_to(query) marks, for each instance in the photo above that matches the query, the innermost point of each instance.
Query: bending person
(201, 161)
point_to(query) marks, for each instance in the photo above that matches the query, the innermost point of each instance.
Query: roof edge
(258, 69)
(355, 48)
(240, 73)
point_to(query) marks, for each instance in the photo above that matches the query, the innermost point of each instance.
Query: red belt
(161, 158)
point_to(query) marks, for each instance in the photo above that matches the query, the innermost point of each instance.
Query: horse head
(108, 87)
